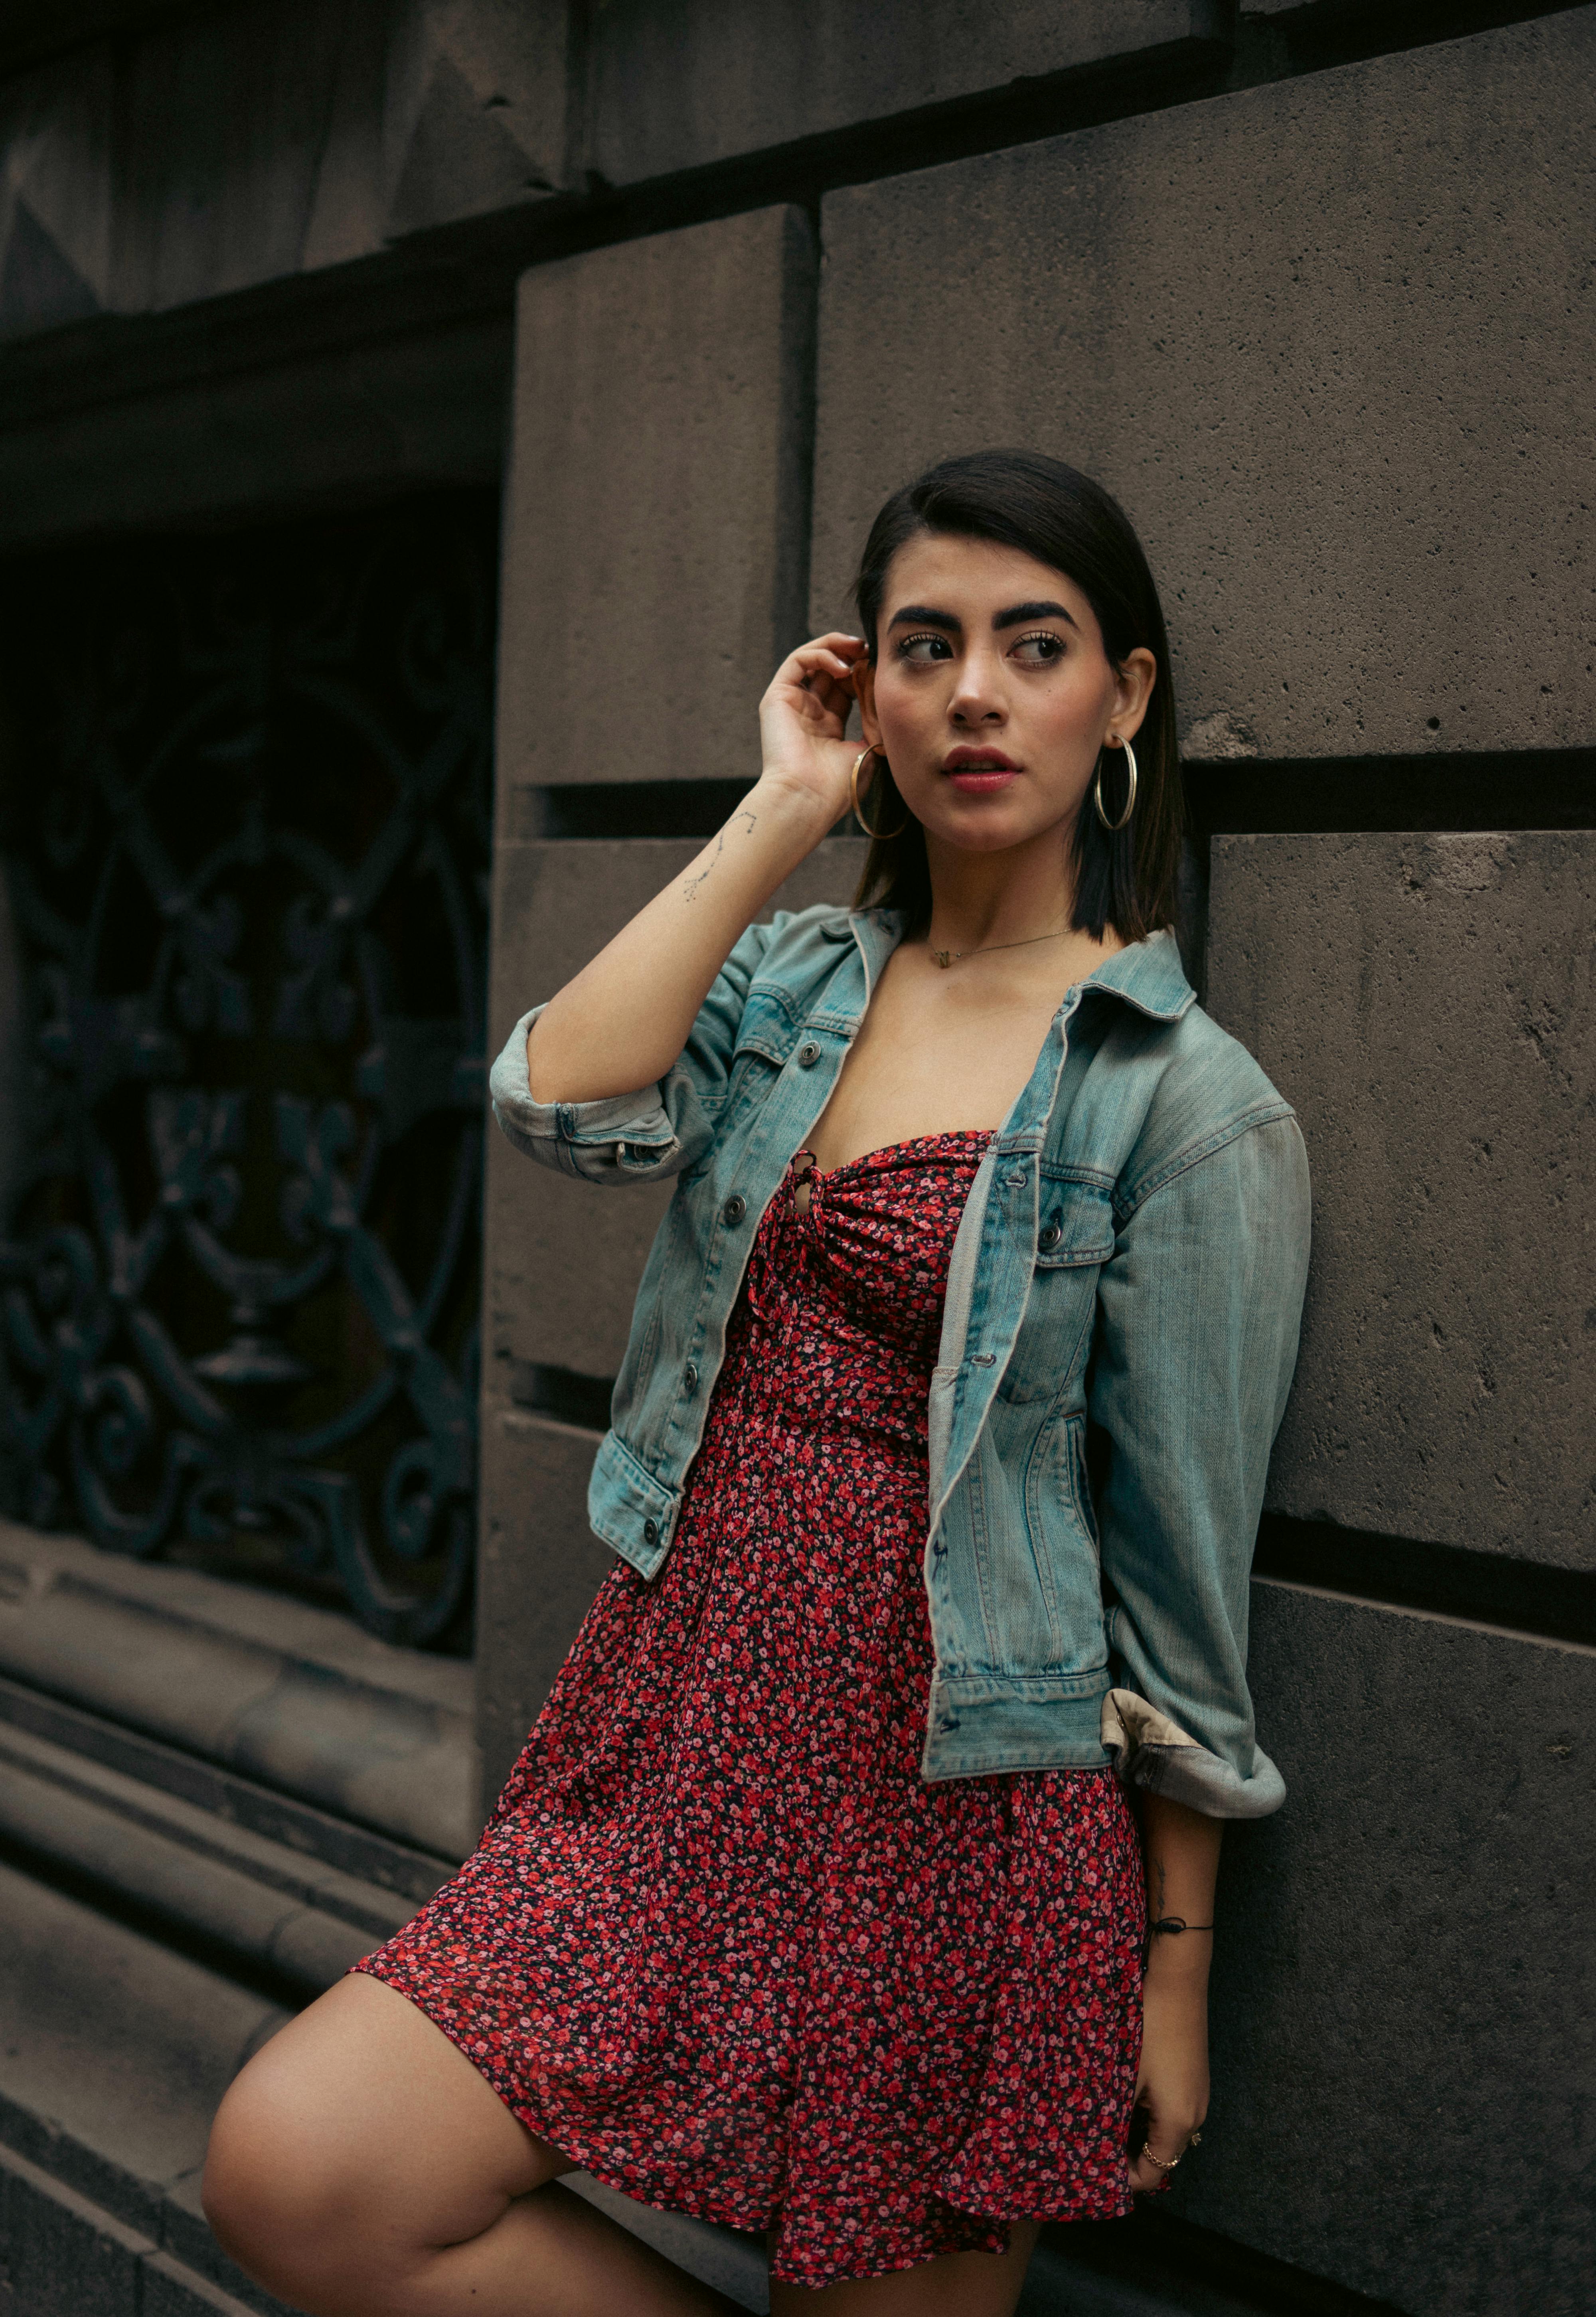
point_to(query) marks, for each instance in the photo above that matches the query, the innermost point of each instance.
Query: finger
(1146, 2179)
(819, 660)
(836, 651)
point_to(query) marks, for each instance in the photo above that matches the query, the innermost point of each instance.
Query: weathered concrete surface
(269, 1907)
(1329, 340)
(539, 1568)
(296, 1697)
(113, 2054)
(674, 88)
(657, 512)
(1429, 1005)
(59, 2253)
(1404, 2002)
(236, 145)
(565, 1258)
(116, 2051)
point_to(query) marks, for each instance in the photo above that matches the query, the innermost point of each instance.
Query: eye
(924, 649)
(1040, 650)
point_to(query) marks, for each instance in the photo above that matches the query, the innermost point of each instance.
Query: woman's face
(991, 696)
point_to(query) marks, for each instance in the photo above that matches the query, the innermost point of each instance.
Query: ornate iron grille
(246, 827)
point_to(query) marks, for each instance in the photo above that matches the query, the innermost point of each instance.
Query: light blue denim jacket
(1117, 1341)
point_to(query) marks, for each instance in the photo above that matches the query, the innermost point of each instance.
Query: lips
(979, 772)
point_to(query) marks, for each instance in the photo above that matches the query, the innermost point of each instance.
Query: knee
(277, 2191)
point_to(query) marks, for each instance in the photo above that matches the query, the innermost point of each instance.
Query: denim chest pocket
(1075, 1226)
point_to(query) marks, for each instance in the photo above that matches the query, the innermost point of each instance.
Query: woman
(814, 1904)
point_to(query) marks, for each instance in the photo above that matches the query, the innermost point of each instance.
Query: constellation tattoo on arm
(690, 888)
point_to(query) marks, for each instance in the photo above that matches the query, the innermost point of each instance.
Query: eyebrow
(925, 615)
(1038, 611)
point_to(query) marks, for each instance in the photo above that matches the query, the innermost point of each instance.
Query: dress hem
(701, 2206)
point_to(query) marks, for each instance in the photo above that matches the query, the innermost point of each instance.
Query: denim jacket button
(734, 1210)
(650, 1532)
(690, 1376)
(808, 1053)
(1049, 1234)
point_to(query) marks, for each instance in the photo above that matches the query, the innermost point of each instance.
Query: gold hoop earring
(876, 835)
(1113, 827)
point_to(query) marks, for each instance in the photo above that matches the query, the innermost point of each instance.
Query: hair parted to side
(1018, 499)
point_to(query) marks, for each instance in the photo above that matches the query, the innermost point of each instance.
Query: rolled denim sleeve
(660, 1130)
(1199, 1310)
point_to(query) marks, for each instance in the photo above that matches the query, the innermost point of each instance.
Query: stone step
(293, 1698)
(264, 1909)
(314, 1834)
(114, 2053)
(61, 2256)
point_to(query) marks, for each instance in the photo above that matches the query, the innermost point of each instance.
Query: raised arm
(620, 1024)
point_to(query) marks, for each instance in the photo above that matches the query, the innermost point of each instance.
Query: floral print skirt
(721, 1943)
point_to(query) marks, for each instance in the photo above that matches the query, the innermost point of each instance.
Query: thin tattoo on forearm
(690, 889)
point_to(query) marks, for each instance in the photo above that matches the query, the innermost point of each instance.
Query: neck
(979, 899)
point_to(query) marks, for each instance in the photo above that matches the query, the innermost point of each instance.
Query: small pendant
(944, 957)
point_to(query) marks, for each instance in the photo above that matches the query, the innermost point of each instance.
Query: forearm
(623, 1020)
(1182, 1853)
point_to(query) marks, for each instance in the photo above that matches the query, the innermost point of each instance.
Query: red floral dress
(721, 1942)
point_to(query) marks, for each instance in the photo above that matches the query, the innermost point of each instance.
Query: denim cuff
(1150, 1751)
(621, 1137)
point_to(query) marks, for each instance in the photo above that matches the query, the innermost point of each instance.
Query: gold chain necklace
(947, 957)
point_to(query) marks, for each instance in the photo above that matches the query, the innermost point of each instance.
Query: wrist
(1178, 1962)
(794, 806)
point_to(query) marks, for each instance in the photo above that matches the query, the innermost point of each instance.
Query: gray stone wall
(1307, 284)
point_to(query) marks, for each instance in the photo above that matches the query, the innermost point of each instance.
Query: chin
(982, 825)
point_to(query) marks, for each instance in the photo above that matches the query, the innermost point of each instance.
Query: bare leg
(954, 2284)
(360, 2167)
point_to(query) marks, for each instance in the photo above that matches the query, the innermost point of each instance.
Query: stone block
(473, 108)
(1404, 1999)
(228, 117)
(59, 2255)
(539, 1566)
(1328, 341)
(56, 226)
(365, 122)
(1426, 1003)
(564, 1258)
(656, 514)
(675, 88)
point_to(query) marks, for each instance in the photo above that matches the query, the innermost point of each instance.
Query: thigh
(361, 2106)
(954, 2284)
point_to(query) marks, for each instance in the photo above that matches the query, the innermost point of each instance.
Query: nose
(978, 695)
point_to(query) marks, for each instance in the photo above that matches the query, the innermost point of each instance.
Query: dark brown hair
(1018, 499)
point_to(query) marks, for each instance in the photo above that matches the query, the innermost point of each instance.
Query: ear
(864, 692)
(1134, 680)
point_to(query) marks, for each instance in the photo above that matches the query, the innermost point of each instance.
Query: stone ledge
(66, 2257)
(294, 1697)
(310, 1834)
(267, 1908)
(114, 2053)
